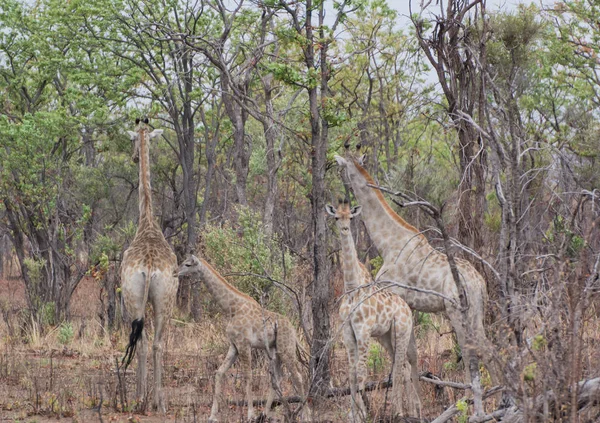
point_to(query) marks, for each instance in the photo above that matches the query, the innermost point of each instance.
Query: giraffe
(249, 326)
(409, 259)
(147, 275)
(372, 313)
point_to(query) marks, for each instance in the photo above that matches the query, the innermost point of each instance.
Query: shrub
(243, 254)
(65, 333)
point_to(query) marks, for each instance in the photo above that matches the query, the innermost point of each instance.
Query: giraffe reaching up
(249, 326)
(147, 275)
(409, 259)
(371, 312)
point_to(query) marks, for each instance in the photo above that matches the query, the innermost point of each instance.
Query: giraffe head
(343, 215)
(353, 164)
(190, 265)
(141, 132)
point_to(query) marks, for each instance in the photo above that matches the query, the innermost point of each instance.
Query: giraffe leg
(401, 340)
(293, 366)
(469, 357)
(413, 389)
(483, 342)
(245, 353)
(142, 370)
(357, 404)
(232, 354)
(157, 351)
(362, 345)
(276, 376)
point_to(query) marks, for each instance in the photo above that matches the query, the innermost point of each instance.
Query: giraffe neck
(228, 297)
(380, 219)
(145, 191)
(351, 265)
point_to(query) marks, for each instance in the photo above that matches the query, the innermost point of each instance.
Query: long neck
(350, 263)
(145, 189)
(228, 297)
(386, 228)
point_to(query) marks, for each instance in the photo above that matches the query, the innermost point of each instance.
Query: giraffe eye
(337, 218)
(188, 265)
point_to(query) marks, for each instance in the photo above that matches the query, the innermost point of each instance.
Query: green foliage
(242, 250)
(539, 343)
(376, 357)
(35, 269)
(48, 314)
(423, 323)
(376, 264)
(530, 372)
(105, 247)
(463, 409)
(65, 333)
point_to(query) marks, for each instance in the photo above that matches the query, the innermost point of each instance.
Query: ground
(46, 377)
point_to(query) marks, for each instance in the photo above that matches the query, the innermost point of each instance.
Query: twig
(121, 387)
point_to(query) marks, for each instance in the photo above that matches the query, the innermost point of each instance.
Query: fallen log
(341, 392)
(331, 393)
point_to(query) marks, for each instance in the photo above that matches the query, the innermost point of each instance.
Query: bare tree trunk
(456, 51)
(241, 150)
(319, 131)
(273, 156)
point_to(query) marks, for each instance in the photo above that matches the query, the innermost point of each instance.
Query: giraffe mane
(227, 284)
(382, 200)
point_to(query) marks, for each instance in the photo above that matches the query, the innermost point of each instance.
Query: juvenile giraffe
(372, 313)
(147, 275)
(249, 326)
(409, 259)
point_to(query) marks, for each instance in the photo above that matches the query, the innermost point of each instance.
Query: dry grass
(43, 380)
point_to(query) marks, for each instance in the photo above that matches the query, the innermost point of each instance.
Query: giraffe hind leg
(401, 341)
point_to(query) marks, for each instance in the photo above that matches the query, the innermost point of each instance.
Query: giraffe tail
(137, 329)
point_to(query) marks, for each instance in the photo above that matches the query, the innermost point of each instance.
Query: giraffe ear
(355, 211)
(132, 134)
(362, 159)
(330, 210)
(340, 161)
(155, 133)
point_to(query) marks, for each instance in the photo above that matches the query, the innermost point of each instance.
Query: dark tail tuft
(137, 327)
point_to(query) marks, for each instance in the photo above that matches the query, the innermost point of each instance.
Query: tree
(455, 45)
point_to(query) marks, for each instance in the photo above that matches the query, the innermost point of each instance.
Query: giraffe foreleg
(227, 363)
(357, 405)
(362, 346)
(245, 353)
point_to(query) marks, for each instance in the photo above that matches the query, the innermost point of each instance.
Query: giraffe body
(147, 276)
(373, 312)
(249, 326)
(409, 259)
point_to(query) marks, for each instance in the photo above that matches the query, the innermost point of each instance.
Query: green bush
(243, 254)
(375, 360)
(65, 333)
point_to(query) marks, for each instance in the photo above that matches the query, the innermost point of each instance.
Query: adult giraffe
(410, 260)
(147, 274)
